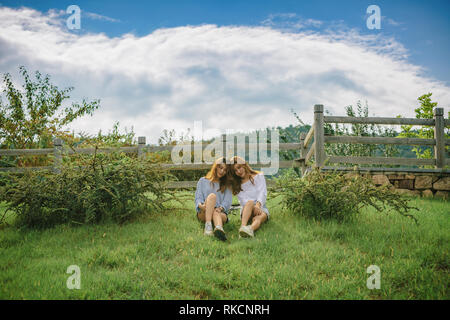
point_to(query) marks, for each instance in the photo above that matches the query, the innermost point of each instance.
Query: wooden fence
(311, 145)
(317, 148)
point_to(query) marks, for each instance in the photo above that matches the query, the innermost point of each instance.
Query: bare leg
(258, 220)
(201, 215)
(247, 212)
(205, 215)
(219, 218)
(210, 204)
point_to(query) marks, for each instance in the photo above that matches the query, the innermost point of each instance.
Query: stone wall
(425, 185)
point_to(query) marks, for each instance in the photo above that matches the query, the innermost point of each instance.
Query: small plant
(105, 186)
(324, 195)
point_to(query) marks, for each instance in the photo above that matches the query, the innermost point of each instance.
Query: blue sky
(233, 65)
(421, 26)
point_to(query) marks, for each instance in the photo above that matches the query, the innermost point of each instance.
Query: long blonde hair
(212, 176)
(236, 181)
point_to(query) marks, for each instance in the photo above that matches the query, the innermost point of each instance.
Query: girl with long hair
(250, 187)
(213, 199)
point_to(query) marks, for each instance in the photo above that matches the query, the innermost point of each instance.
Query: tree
(425, 111)
(33, 116)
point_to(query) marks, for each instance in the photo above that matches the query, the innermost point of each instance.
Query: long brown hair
(236, 181)
(213, 177)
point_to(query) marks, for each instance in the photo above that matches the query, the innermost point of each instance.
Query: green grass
(166, 256)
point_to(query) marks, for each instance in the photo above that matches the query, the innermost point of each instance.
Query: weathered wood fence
(317, 147)
(311, 145)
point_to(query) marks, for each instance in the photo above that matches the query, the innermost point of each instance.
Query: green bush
(324, 195)
(105, 186)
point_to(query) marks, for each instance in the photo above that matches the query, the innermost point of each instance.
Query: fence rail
(383, 140)
(379, 120)
(311, 145)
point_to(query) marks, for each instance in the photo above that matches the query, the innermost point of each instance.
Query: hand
(202, 206)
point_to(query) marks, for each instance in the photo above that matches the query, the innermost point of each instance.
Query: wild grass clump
(89, 190)
(324, 195)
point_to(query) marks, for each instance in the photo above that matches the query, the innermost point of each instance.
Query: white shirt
(256, 191)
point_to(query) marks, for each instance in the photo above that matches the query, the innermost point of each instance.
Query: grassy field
(166, 256)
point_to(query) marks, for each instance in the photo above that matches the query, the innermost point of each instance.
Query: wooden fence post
(302, 151)
(319, 150)
(141, 145)
(224, 147)
(57, 153)
(439, 136)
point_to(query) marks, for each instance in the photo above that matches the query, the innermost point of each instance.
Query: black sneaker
(219, 233)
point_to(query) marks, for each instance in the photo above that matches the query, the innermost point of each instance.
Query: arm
(199, 196)
(261, 188)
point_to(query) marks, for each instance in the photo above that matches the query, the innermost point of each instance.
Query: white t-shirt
(256, 191)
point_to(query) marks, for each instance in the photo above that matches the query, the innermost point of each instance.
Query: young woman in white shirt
(250, 187)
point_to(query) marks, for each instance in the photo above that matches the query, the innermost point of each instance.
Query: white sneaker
(219, 233)
(208, 229)
(246, 232)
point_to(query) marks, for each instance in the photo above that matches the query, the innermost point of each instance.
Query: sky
(233, 65)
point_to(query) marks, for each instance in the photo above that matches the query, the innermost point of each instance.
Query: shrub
(106, 186)
(324, 195)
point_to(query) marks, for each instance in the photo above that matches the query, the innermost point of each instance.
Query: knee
(211, 197)
(250, 203)
(262, 217)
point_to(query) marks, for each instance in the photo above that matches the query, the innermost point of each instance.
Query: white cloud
(289, 22)
(96, 16)
(392, 22)
(228, 77)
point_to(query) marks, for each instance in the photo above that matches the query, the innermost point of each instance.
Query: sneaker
(208, 229)
(219, 233)
(246, 232)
